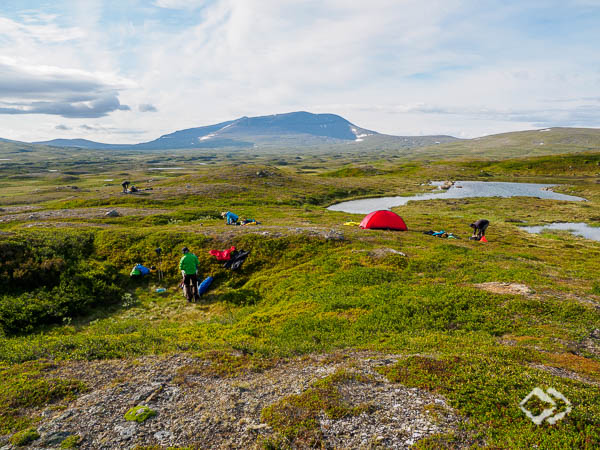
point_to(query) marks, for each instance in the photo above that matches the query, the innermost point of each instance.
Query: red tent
(385, 220)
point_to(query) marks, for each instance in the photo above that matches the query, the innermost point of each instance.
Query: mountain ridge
(295, 129)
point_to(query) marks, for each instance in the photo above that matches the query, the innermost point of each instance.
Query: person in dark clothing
(479, 228)
(125, 184)
(188, 264)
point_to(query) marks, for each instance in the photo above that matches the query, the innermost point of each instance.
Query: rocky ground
(497, 287)
(13, 214)
(196, 407)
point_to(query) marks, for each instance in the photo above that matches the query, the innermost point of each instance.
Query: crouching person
(479, 228)
(230, 218)
(188, 264)
(139, 271)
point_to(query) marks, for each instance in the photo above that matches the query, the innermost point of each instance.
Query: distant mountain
(296, 129)
(80, 143)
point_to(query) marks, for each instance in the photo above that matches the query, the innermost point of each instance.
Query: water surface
(578, 229)
(461, 189)
(167, 168)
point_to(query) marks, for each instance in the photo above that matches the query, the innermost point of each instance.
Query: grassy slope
(300, 292)
(517, 144)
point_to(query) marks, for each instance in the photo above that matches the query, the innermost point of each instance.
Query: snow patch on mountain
(360, 136)
(212, 135)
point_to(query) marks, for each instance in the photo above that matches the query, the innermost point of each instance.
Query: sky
(133, 70)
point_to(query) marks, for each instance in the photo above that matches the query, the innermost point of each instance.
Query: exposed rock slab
(497, 287)
(213, 412)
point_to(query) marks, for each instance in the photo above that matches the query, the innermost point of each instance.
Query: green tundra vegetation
(311, 284)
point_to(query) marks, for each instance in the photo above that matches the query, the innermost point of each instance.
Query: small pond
(461, 189)
(167, 168)
(578, 229)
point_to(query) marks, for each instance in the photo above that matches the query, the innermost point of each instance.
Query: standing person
(231, 218)
(125, 184)
(479, 228)
(188, 264)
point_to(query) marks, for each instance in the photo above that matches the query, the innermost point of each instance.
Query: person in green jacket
(188, 264)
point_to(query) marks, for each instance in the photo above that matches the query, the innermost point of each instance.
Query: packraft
(222, 255)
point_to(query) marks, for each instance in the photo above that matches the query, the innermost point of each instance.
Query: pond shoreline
(580, 229)
(460, 189)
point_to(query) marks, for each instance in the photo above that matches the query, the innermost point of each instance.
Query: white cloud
(98, 129)
(268, 56)
(179, 4)
(52, 90)
(146, 107)
(38, 28)
(402, 67)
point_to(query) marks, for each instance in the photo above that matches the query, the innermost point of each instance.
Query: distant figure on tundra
(125, 185)
(188, 264)
(479, 228)
(231, 218)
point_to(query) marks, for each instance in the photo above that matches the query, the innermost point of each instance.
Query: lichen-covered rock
(125, 431)
(382, 253)
(163, 435)
(139, 413)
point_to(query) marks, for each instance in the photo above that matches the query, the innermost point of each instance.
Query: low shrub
(28, 385)
(72, 441)
(296, 417)
(78, 288)
(25, 437)
(241, 297)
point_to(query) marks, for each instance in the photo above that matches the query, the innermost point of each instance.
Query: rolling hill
(517, 144)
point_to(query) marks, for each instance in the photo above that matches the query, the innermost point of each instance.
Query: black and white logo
(547, 414)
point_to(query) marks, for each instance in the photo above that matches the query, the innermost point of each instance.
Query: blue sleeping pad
(203, 287)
